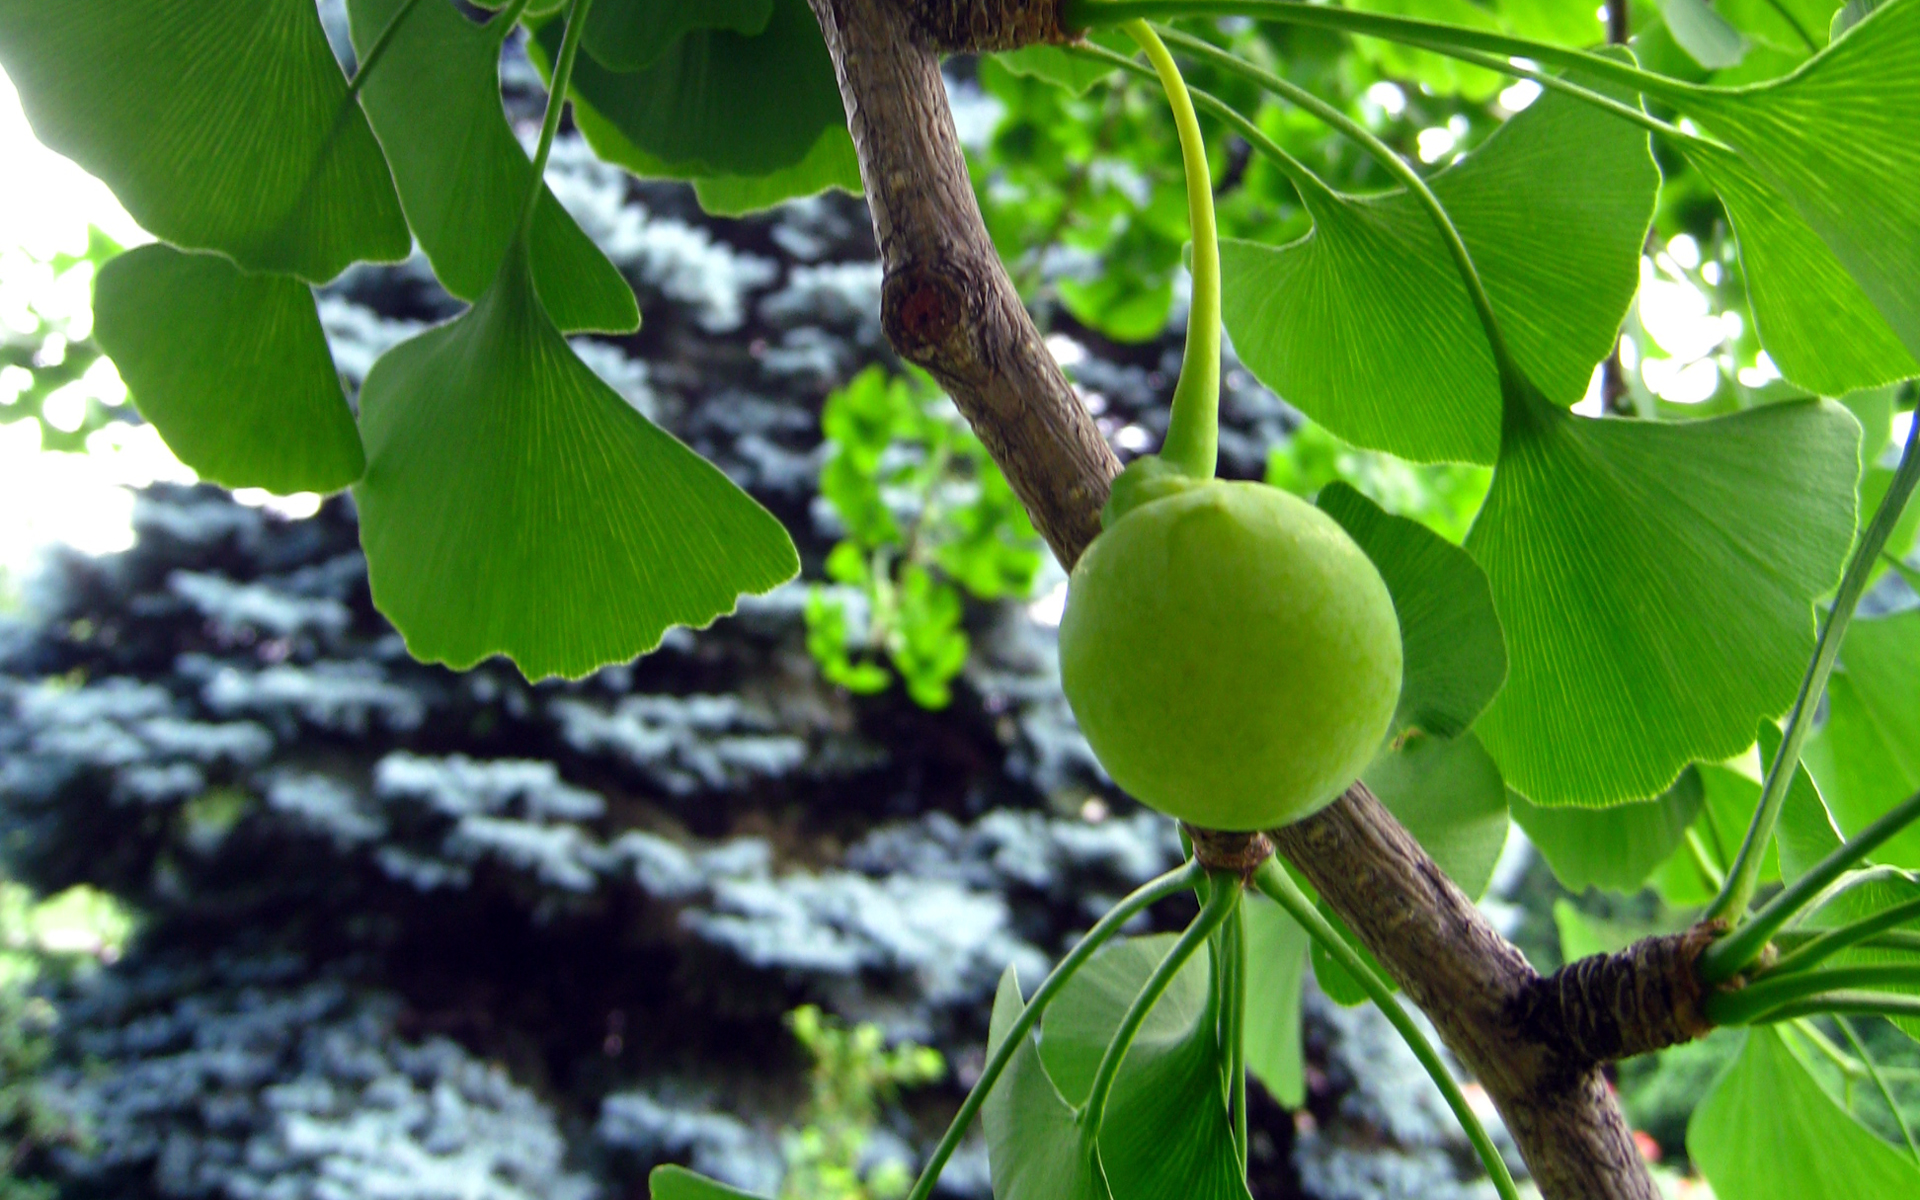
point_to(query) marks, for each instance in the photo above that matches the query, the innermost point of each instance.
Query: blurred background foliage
(287, 914)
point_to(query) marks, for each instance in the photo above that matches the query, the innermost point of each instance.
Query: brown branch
(948, 305)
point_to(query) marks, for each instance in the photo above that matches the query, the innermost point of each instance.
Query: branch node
(1613, 1006)
(1220, 850)
(980, 26)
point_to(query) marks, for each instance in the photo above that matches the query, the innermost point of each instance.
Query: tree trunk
(948, 305)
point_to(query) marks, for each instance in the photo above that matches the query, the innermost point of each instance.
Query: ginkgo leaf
(1805, 833)
(1365, 325)
(717, 103)
(515, 504)
(1866, 897)
(1655, 581)
(626, 35)
(1766, 1129)
(1033, 1141)
(463, 177)
(671, 1182)
(1449, 795)
(1455, 658)
(832, 163)
(1840, 137)
(231, 368)
(1276, 972)
(1057, 65)
(1166, 1131)
(1867, 755)
(220, 125)
(1817, 325)
(1704, 34)
(1614, 847)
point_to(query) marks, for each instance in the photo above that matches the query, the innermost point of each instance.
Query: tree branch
(948, 305)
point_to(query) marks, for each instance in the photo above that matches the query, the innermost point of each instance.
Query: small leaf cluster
(854, 1073)
(929, 519)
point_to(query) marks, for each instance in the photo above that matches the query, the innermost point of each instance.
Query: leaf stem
(1272, 879)
(1222, 899)
(1833, 1004)
(1170, 884)
(1725, 958)
(1395, 165)
(1560, 83)
(1728, 956)
(378, 50)
(1835, 940)
(1428, 35)
(1897, 939)
(556, 102)
(507, 18)
(1886, 1093)
(1193, 431)
(1759, 999)
(1234, 1027)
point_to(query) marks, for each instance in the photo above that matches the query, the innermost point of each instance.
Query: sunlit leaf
(1816, 323)
(1841, 138)
(515, 504)
(1867, 756)
(463, 177)
(220, 124)
(1166, 1130)
(1766, 1129)
(1655, 581)
(626, 35)
(1365, 325)
(717, 103)
(1276, 972)
(1455, 657)
(1614, 847)
(1450, 796)
(231, 368)
(677, 1183)
(1442, 75)
(1055, 65)
(1033, 1141)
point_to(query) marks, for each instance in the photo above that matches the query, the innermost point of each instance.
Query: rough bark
(948, 305)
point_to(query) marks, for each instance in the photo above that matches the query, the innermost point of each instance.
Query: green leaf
(1439, 74)
(1767, 1129)
(1450, 796)
(1704, 34)
(1166, 1130)
(1851, 14)
(231, 368)
(1339, 985)
(220, 124)
(1033, 1141)
(677, 1183)
(515, 504)
(1866, 897)
(1816, 323)
(1841, 138)
(1455, 656)
(1571, 24)
(1580, 937)
(1867, 756)
(1365, 325)
(717, 103)
(435, 104)
(1655, 581)
(831, 163)
(1805, 833)
(1055, 65)
(1616, 847)
(1276, 973)
(626, 35)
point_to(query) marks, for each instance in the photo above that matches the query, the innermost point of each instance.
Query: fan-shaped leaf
(1817, 325)
(514, 504)
(716, 103)
(1276, 972)
(1033, 1141)
(1449, 795)
(1166, 1130)
(1655, 581)
(220, 124)
(435, 104)
(1766, 1129)
(1867, 756)
(1805, 833)
(626, 35)
(231, 368)
(1365, 325)
(1614, 847)
(831, 163)
(1455, 657)
(1704, 34)
(1841, 138)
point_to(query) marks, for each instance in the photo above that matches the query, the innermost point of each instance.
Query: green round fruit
(1232, 656)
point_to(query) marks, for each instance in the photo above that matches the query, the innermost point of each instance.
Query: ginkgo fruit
(1232, 656)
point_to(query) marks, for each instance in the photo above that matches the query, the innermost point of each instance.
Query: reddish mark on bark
(924, 316)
